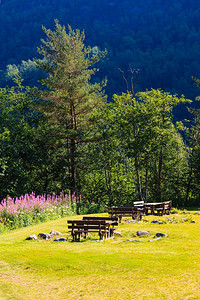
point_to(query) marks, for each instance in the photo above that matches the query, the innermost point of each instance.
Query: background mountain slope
(162, 40)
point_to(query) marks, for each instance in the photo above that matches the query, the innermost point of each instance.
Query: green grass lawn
(113, 269)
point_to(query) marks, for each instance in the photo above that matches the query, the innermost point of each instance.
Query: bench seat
(79, 228)
(126, 211)
(112, 220)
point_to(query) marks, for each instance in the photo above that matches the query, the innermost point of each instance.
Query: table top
(153, 203)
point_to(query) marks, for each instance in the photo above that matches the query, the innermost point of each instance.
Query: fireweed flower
(36, 208)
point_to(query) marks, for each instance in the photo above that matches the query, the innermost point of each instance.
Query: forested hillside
(159, 38)
(66, 136)
(111, 140)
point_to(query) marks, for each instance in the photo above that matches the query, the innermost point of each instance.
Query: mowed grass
(114, 269)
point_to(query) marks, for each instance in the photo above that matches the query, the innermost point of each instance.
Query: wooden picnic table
(159, 207)
(151, 206)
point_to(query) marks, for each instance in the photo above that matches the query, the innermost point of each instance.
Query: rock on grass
(141, 232)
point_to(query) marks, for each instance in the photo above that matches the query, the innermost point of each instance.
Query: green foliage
(69, 98)
(65, 136)
(18, 128)
(193, 174)
(26, 70)
(146, 135)
(161, 39)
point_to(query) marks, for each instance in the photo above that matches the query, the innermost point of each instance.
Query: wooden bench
(125, 211)
(79, 228)
(112, 220)
(138, 203)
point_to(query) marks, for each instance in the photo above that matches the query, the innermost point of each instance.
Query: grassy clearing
(113, 269)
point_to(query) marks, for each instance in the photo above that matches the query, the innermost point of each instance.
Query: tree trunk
(73, 149)
(146, 183)
(159, 178)
(109, 186)
(139, 186)
(189, 182)
(72, 166)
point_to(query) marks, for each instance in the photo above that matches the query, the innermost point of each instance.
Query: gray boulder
(156, 239)
(60, 240)
(32, 237)
(141, 232)
(157, 222)
(160, 234)
(54, 232)
(131, 221)
(45, 236)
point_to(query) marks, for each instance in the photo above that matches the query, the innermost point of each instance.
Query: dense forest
(161, 39)
(101, 120)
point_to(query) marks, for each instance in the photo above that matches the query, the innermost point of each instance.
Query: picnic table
(79, 228)
(159, 208)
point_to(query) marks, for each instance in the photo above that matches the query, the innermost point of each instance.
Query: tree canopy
(64, 135)
(160, 39)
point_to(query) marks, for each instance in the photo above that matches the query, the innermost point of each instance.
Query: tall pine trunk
(73, 149)
(139, 185)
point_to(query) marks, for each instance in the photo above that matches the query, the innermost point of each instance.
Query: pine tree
(69, 98)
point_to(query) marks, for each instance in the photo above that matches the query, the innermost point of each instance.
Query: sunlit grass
(113, 269)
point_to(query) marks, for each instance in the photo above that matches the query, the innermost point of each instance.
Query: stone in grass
(160, 234)
(141, 232)
(60, 240)
(157, 222)
(45, 236)
(183, 220)
(156, 239)
(131, 221)
(133, 240)
(54, 232)
(95, 241)
(32, 237)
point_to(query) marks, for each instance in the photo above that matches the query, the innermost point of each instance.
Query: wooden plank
(80, 222)
(100, 218)
(84, 227)
(113, 220)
